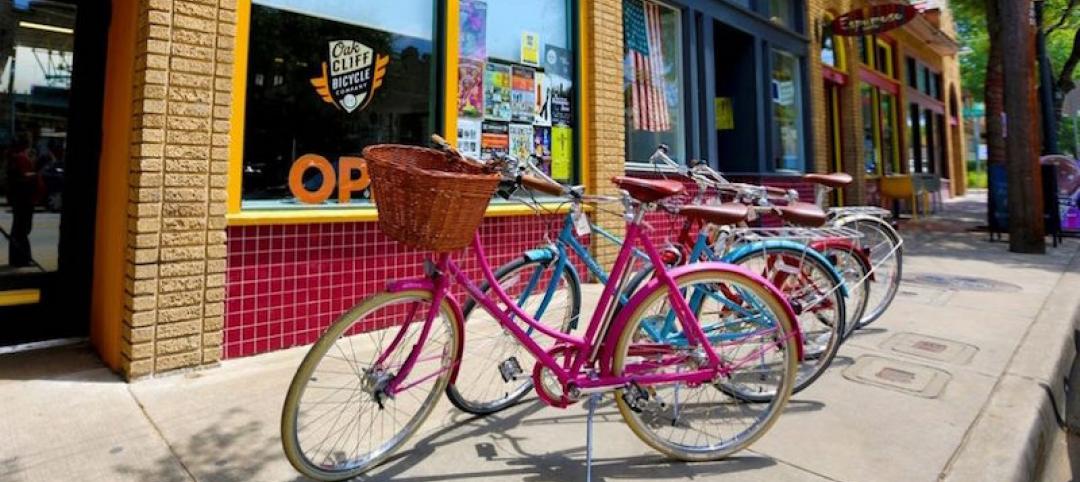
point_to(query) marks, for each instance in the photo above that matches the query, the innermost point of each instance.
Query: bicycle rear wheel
(339, 419)
(750, 332)
(855, 271)
(886, 260)
(495, 366)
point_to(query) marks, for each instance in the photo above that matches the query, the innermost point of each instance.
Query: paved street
(942, 387)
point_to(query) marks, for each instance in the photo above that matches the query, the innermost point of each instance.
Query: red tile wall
(286, 284)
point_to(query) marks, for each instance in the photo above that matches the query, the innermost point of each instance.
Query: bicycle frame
(590, 367)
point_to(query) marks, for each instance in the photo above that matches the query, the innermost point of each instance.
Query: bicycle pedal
(510, 370)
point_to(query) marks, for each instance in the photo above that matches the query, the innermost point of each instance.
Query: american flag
(645, 66)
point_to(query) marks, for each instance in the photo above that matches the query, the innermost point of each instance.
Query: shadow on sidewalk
(236, 449)
(74, 363)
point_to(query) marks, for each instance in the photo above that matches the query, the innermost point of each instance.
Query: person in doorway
(22, 190)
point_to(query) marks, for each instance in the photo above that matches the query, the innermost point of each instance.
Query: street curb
(1010, 438)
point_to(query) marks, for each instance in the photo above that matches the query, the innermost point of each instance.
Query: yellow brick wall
(175, 262)
(607, 131)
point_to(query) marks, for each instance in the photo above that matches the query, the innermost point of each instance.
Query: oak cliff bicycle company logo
(351, 75)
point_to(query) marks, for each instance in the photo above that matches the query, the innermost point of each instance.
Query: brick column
(175, 262)
(607, 133)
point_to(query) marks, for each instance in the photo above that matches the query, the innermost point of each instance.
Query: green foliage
(1067, 136)
(970, 17)
(977, 179)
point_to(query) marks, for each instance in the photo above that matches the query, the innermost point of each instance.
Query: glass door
(50, 128)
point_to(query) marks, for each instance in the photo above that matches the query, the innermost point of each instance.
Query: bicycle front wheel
(753, 335)
(340, 417)
(813, 287)
(494, 373)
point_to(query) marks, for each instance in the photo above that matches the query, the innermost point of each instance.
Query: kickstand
(591, 404)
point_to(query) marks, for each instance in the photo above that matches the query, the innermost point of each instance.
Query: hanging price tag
(581, 224)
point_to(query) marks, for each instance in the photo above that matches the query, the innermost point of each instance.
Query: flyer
(497, 92)
(558, 74)
(542, 147)
(562, 151)
(470, 88)
(473, 33)
(530, 48)
(523, 94)
(542, 111)
(521, 141)
(468, 137)
(494, 139)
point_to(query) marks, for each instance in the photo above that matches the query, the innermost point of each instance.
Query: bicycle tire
(878, 308)
(302, 383)
(817, 359)
(856, 273)
(647, 422)
(466, 399)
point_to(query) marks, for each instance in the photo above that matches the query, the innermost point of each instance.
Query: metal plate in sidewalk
(931, 348)
(961, 283)
(910, 378)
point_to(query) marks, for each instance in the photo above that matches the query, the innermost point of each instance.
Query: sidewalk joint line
(161, 435)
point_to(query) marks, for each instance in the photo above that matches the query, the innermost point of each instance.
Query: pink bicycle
(372, 379)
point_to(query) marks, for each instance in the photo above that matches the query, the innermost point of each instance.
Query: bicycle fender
(425, 284)
(541, 254)
(845, 245)
(611, 339)
(753, 248)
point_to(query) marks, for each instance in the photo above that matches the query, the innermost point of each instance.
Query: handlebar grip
(540, 185)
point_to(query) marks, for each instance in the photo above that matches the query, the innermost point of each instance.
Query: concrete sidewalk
(949, 384)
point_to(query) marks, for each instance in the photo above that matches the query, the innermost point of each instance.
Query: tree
(1027, 230)
(1062, 38)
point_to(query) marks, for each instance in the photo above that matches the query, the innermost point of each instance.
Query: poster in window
(558, 73)
(473, 32)
(471, 89)
(542, 147)
(530, 48)
(523, 94)
(562, 150)
(468, 137)
(521, 141)
(542, 111)
(494, 139)
(497, 92)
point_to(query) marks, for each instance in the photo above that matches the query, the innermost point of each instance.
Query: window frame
(446, 38)
(700, 80)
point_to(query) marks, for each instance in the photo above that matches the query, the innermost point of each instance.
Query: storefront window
(652, 82)
(870, 128)
(783, 12)
(879, 130)
(325, 79)
(831, 53)
(888, 133)
(787, 113)
(516, 82)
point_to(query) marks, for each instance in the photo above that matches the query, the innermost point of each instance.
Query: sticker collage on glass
(514, 107)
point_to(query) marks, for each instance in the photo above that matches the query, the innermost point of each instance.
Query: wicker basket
(428, 199)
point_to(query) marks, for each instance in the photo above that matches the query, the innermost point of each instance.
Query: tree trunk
(1027, 230)
(994, 89)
